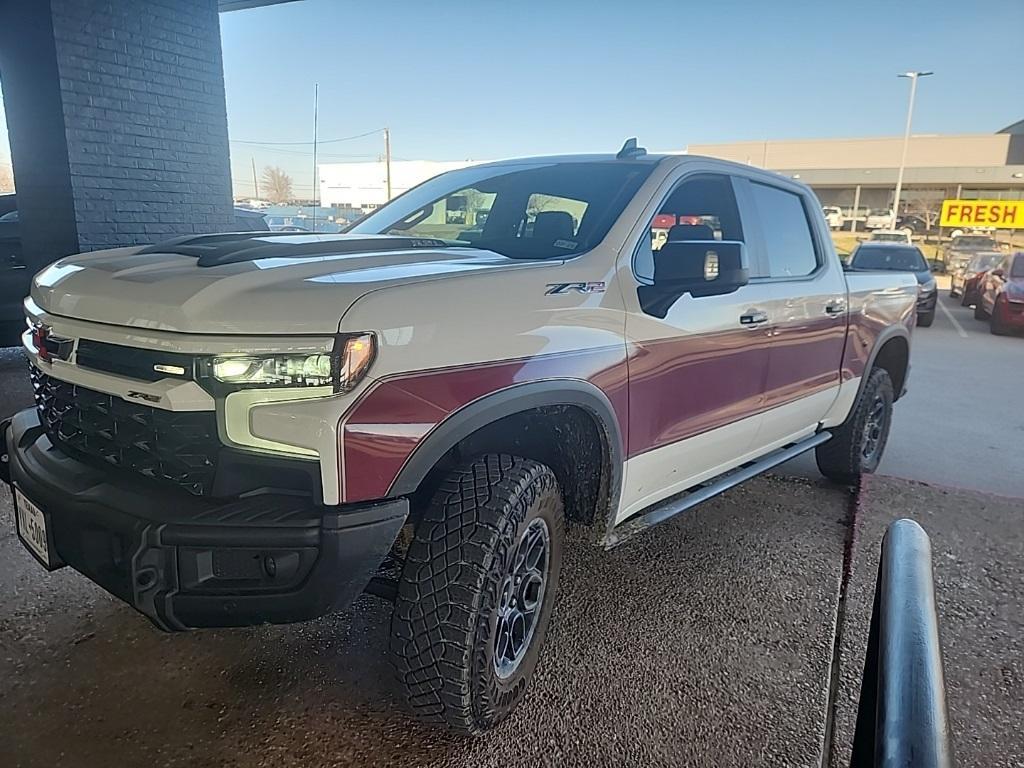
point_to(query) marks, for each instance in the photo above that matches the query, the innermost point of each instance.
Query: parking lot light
(914, 76)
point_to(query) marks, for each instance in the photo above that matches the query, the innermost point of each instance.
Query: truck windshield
(523, 211)
(888, 257)
(973, 241)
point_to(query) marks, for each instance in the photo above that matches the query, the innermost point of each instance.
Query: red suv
(1001, 295)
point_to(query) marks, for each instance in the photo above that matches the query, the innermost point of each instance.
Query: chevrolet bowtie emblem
(49, 345)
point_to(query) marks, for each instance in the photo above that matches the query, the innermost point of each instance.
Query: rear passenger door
(807, 309)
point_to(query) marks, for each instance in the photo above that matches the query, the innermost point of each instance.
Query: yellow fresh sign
(1001, 214)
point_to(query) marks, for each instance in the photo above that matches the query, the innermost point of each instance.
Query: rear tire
(995, 323)
(856, 447)
(463, 640)
(925, 320)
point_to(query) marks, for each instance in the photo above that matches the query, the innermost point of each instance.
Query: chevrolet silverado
(234, 429)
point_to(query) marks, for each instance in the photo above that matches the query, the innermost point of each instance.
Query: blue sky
(497, 79)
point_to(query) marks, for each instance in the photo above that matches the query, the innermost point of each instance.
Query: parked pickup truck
(257, 427)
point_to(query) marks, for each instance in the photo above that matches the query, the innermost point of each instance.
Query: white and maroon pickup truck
(244, 428)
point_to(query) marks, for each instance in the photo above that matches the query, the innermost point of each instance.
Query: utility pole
(387, 161)
(255, 184)
(316, 173)
(914, 76)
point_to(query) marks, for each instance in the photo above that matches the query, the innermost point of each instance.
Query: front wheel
(856, 447)
(476, 592)
(925, 319)
(979, 311)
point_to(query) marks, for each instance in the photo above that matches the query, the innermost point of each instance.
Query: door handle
(835, 307)
(753, 317)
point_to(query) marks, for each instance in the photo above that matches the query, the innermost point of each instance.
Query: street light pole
(316, 171)
(387, 161)
(914, 76)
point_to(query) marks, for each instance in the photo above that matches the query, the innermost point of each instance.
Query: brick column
(117, 121)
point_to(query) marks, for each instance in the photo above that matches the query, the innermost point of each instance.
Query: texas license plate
(32, 528)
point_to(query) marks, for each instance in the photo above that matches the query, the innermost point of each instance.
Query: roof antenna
(630, 150)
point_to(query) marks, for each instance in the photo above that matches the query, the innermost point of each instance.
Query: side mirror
(698, 267)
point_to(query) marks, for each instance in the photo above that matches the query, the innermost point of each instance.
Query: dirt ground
(978, 562)
(707, 641)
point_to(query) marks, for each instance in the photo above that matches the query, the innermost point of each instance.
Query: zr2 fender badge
(144, 396)
(556, 288)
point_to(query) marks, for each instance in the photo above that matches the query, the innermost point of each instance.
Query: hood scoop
(217, 250)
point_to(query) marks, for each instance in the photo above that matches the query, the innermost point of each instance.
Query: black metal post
(902, 720)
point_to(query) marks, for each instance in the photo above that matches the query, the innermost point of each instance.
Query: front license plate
(32, 528)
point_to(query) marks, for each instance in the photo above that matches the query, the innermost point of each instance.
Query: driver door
(697, 376)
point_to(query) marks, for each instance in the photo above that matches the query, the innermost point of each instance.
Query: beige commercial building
(862, 172)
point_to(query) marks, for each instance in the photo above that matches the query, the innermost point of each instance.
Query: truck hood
(305, 288)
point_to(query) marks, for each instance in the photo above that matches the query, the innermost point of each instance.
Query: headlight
(306, 370)
(923, 288)
(342, 369)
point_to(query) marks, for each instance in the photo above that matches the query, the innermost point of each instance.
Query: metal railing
(902, 718)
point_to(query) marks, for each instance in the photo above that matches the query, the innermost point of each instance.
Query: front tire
(477, 590)
(979, 311)
(856, 447)
(925, 319)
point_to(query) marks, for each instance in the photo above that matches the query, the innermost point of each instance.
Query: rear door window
(786, 228)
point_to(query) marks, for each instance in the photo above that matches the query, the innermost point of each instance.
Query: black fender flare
(485, 410)
(892, 332)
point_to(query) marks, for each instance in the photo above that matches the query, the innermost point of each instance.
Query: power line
(321, 154)
(325, 141)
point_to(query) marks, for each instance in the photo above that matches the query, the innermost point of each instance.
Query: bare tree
(925, 204)
(6, 177)
(540, 203)
(276, 185)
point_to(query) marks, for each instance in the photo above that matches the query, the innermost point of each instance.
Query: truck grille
(180, 448)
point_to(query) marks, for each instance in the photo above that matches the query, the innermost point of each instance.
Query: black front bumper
(926, 302)
(189, 562)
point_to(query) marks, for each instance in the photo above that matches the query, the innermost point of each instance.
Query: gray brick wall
(142, 88)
